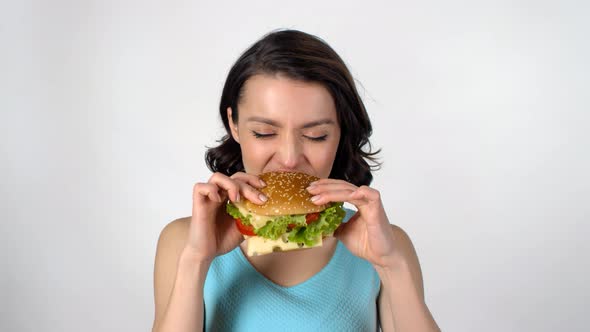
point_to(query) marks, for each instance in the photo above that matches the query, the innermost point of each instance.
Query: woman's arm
(179, 277)
(369, 235)
(187, 247)
(401, 301)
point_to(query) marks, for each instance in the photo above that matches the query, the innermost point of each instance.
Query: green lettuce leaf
(233, 211)
(278, 226)
(329, 220)
(326, 224)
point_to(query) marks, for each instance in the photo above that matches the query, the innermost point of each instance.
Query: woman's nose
(290, 152)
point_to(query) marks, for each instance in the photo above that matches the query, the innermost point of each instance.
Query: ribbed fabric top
(341, 297)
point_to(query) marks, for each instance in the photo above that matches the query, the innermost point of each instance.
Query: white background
(481, 109)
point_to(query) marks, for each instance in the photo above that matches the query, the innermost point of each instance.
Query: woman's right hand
(212, 231)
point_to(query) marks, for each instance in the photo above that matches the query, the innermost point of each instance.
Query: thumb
(338, 231)
(343, 229)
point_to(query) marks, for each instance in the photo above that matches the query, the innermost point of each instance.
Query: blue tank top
(341, 297)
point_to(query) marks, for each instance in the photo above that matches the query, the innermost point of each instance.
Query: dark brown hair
(304, 57)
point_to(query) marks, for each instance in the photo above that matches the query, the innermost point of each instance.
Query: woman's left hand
(368, 234)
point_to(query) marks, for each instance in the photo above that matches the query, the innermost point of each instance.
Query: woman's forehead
(281, 98)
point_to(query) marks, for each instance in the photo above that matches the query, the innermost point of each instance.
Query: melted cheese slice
(261, 246)
(256, 220)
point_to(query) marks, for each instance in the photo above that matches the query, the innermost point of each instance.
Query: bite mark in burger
(288, 220)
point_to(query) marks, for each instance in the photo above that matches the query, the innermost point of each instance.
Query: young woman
(289, 104)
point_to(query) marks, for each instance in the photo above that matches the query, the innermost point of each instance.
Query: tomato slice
(312, 217)
(245, 229)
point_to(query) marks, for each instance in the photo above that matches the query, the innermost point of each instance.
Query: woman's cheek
(256, 154)
(322, 156)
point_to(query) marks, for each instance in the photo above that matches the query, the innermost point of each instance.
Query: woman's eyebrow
(318, 123)
(263, 120)
(276, 124)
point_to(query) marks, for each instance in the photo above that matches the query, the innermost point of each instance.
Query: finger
(252, 194)
(332, 196)
(327, 181)
(319, 188)
(206, 190)
(224, 182)
(368, 201)
(361, 196)
(250, 179)
(342, 229)
(351, 227)
(236, 186)
(366, 193)
(359, 199)
(246, 187)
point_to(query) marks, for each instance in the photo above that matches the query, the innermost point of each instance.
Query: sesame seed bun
(287, 194)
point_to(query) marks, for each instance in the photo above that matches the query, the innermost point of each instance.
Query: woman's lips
(291, 170)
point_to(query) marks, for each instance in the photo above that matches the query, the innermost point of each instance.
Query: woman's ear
(233, 126)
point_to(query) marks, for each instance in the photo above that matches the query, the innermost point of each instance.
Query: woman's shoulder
(177, 225)
(174, 234)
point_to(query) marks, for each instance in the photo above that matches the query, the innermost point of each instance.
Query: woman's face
(286, 125)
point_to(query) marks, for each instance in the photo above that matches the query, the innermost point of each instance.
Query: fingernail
(313, 183)
(262, 197)
(262, 183)
(312, 187)
(315, 198)
(238, 197)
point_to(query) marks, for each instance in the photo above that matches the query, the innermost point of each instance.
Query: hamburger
(288, 220)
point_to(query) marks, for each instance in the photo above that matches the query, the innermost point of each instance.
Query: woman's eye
(259, 135)
(317, 139)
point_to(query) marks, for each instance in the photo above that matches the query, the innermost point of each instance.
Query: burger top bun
(287, 194)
